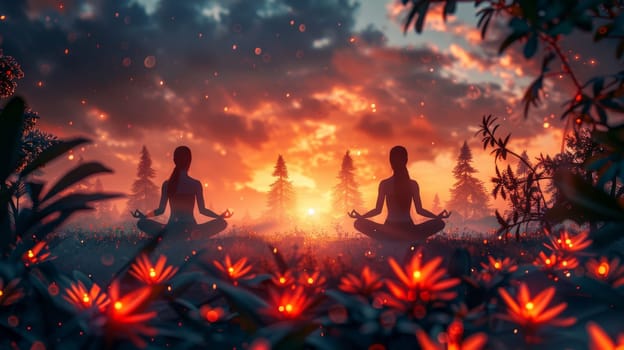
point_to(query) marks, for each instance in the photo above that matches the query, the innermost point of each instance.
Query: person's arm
(158, 211)
(199, 195)
(163, 201)
(381, 195)
(418, 203)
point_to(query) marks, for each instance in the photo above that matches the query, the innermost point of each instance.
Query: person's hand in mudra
(227, 214)
(444, 214)
(138, 214)
(354, 214)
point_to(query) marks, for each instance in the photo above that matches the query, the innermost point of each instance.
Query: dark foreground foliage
(289, 290)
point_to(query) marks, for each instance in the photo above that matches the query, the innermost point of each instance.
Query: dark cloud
(254, 77)
(375, 127)
(311, 109)
(197, 56)
(230, 129)
(194, 54)
(411, 86)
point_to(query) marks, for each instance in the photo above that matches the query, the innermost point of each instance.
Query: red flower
(144, 271)
(282, 280)
(38, 254)
(421, 282)
(78, 295)
(555, 262)
(532, 313)
(495, 266)
(288, 303)
(609, 271)
(569, 244)
(236, 271)
(10, 293)
(126, 316)
(368, 283)
(312, 280)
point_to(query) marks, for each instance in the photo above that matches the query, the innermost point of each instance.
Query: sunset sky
(241, 82)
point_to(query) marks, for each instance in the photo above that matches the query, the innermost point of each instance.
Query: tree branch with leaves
(596, 105)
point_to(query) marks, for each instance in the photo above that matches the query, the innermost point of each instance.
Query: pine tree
(281, 194)
(468, 195)
(144, 194)
(346, 195)
(436, 208)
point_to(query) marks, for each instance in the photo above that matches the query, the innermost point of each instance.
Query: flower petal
(542, 300)
(550, 313)
(475, 342)
(425, 342)
(398, 270)
(511, 303)
(523, 294)
(160, 264)
(598, 338)
(431, 266)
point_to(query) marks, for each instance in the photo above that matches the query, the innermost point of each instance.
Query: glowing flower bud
(82, 298)
(143, 270)
(531, 313)
(234, 271)
(603, 269)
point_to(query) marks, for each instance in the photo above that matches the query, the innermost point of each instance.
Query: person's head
(182, 157)
(182, 160)
(398, 162)
(398, 158)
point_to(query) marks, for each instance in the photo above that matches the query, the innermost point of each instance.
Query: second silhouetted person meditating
(398, 191)
(181, 191)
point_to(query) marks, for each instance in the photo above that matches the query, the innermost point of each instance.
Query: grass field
(111, 288)
(102, 252)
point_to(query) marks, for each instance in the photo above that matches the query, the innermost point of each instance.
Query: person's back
(397, 200)
(182, 202)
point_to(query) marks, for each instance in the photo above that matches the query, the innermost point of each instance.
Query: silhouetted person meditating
(399, 191)
(181, 191)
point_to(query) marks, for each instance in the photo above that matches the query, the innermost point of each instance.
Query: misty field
(105, 250)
